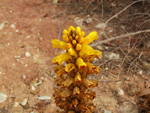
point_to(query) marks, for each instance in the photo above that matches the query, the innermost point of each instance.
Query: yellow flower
(65, 35)
(89, 38)
(87, 51)
(80, 63)
(72, 52)
(68, 82)
(59, 44)
(61, 58)
(69, 67)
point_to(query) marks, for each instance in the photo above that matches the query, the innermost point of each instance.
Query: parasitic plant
(73, 92)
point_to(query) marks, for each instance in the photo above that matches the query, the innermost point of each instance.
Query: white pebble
(27, 54)
(44, 98)
(140, 72)
(17, 30)
(3, 97)
(33, 88)
(120, 92)
(2, 26)
(28, 36)
(24, 76)
(13, 26)
(24, 102)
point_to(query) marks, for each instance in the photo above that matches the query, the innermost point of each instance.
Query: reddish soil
(26, 68)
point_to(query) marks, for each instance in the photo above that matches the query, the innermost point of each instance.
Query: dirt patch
(26, 75)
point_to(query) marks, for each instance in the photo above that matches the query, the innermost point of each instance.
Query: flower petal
(66, 93)
(72, 52)
(76, 91)
(89, 51)
(59, 44)
(89, 38)
(69, 67)
(90, 83)
(78, 78)
(80, 63)
(65, 35)
(68, 82)
(60, 58)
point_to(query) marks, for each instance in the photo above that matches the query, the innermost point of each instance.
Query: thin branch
(118, 37)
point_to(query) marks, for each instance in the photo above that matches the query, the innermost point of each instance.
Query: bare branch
(118, 37)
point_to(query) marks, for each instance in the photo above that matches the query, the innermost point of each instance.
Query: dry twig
(118, 37)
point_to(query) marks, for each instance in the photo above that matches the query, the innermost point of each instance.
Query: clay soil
(26, 71)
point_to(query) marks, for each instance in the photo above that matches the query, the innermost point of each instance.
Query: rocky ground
(26, 73)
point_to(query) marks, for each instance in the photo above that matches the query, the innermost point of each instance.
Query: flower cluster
(72, 93)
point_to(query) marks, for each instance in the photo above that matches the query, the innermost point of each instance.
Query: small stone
(13, 26)
(8, 44)
(44, 98)
(24, 76)
(28, 36)
(107, 111)
(24, 102)
(11, 11)
(3, 97)
(100, 48)
(27, 54)
(88, 21)
(0, 73)
(140, 72)
(110, 31)
(112, 56)
(100, 26)
(40, 82)
(120, 92)
(26, 65)
(40, 20)
(78, 21)
(17, 30)
(2, 25)
(17, 57)
(33, 88)
(16, 104)
(106, 68)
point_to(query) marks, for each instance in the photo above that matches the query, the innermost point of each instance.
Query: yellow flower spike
(89, 38)
(69, 67)
(72, 52)
(65, 35)
(76, 91)
(90, 83)
(80, 63)
(72, 94)
(68, 82)
(59, 44)
(78, 78)
(78, 47)
(66, 93)
(61, 58)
